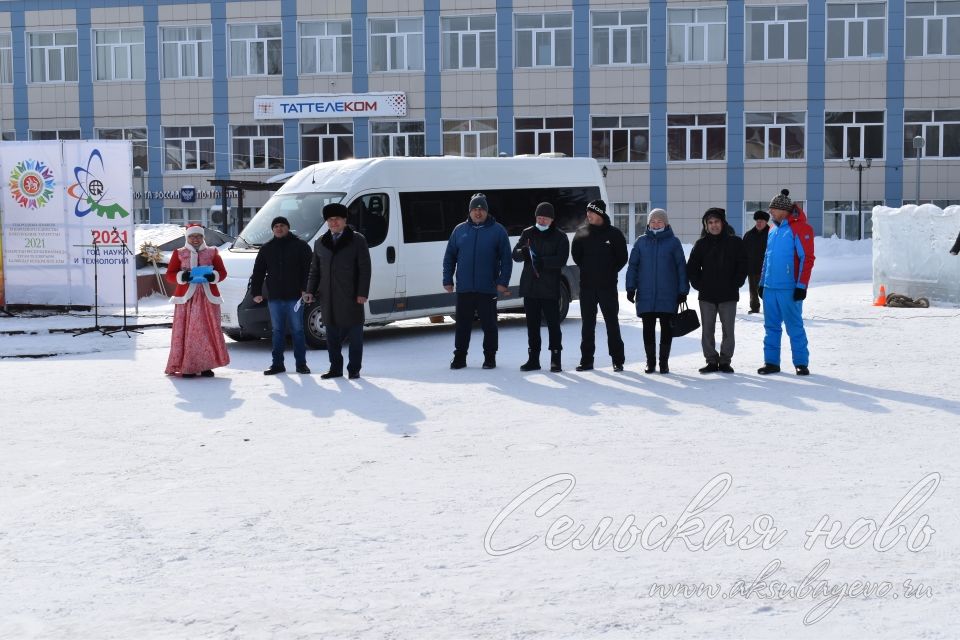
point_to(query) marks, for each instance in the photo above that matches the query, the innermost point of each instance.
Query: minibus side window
(370, 215)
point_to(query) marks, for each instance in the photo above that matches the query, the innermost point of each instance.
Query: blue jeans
(282, 319)
(335, 337)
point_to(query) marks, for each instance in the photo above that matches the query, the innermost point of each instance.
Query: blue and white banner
(340, 105)
(66, 216)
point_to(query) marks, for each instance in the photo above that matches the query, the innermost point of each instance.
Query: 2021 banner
(66, 218)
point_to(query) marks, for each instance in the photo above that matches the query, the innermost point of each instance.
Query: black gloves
(632, 295)
(209, 277)
(760, 292)
(799, 294)
(186, 275)
(681, 298)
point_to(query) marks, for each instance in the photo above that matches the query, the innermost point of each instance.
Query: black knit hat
(478, 201)
(782, 201)
(597, 206)
(335, 210)
(545, 209)
(761, 215)
(279, 220)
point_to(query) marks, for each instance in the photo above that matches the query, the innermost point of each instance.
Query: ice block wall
(911, 252)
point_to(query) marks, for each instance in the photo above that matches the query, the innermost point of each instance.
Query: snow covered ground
(133, 505)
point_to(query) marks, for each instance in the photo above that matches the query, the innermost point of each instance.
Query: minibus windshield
(303, 210)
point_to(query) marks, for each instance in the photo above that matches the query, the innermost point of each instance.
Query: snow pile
(911, 252)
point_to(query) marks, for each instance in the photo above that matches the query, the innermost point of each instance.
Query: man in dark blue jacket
(478, 253)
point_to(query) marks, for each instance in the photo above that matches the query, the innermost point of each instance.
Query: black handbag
(685, 321)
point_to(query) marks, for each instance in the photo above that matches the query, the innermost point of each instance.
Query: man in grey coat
(340, 279)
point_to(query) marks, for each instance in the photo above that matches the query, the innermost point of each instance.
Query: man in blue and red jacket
(787, 264)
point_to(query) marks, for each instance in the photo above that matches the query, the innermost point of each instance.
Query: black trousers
(537, 308)
(483, 305)
(609, 302)
(754, 282)
(650, 333)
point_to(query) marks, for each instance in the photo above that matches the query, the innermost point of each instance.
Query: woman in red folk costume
(197, 345)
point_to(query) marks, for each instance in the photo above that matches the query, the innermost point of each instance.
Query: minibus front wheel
(313, 327)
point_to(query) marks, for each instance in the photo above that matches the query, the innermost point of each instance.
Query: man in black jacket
(284, 262)
(717, 268)
(340, 277)
(543, 249)
(600, 250)
(755, 242)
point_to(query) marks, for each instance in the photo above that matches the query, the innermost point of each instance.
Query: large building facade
(687, 104)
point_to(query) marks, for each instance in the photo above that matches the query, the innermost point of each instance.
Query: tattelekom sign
(341, 105)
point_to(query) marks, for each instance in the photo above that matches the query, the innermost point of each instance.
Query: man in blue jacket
(478, 253)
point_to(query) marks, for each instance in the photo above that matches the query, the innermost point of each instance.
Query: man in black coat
(340, 277)
(543, 249)
(600, 250)
(284, 262)
(717, 268)
(755, 242)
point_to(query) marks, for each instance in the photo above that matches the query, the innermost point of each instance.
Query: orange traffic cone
(881, 300)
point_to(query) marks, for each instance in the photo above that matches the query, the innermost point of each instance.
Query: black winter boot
(664, 359)
(768, 368)
(555, 360)
(459, 360)
(489, 359)
(651, 357)
(533, 361)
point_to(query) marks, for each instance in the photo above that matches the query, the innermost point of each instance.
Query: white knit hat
(193, 229)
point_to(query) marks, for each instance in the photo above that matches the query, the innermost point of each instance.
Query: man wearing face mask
(543, 249)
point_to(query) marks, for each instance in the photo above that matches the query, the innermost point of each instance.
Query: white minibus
(407, 208)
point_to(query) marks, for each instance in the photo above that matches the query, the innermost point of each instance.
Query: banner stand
(96, 293)
(124, 329)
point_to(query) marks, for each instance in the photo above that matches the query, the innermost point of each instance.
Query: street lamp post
(918, 146)
(138, 173)
(859, 168)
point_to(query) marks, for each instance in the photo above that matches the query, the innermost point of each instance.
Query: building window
(630, 218)
(775, 136)
(940, 130)
(471, 138)
(325, 47)
(777, 33)
(544, 40)
(397, 138)
(187, 52)
(842, 218)
(543, 135)
(933, 28)
(853, 134)
(697, 35)
(323, 142)
(119, 54)
(396, 44)
(856, 30)
(53, 56)
(136, 135)
(619, 37)
(620, 138)
(469, 42)
(8, 136)
(257, 146)
(255, 50)
(55, 134)
(182, 215)
(188, 149)
(6, 58)
(697, 137)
